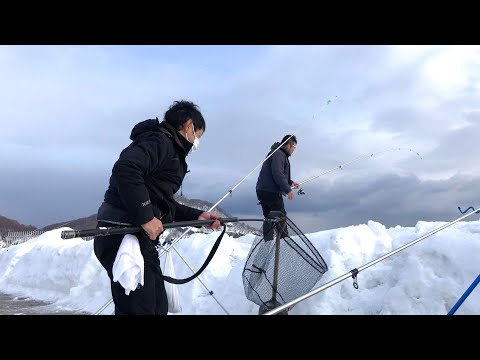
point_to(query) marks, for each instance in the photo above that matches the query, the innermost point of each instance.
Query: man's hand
(210, 216)
(295, 185)
(153, 228)
(290, 195)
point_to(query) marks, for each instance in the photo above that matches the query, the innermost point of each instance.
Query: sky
(67, 111)
(426, 278)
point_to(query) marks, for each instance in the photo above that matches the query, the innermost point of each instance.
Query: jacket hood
(143, 127)
(276, 145)
(153, 125)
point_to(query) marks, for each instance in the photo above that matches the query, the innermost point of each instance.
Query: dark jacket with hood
(275, 173)
(144, 178)
(147, 174)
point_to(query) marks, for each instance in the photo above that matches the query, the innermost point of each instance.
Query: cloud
(70, 110)
(391, 199)
(41, 197)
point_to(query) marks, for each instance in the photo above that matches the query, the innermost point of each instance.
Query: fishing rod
(464, 296)
(172, 243)
(70, 234)
(229, 192)
(353, 273)
(301, 192)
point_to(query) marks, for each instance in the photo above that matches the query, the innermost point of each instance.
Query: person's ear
(187, 124)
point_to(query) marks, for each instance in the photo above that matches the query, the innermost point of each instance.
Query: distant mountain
(89, 222)
(233, 229)
(7, 225)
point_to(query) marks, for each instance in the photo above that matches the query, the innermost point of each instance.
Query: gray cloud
(39, 197)
(68, 111)
(391, 200)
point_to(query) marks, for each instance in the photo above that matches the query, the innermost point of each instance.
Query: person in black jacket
(274, 181)
(144, 179)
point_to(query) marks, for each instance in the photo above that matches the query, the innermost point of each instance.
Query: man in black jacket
(274, 181)
(144, 179)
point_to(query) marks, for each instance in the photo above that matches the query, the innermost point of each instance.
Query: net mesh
(281, 265)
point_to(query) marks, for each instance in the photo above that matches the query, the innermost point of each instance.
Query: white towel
(128, 268)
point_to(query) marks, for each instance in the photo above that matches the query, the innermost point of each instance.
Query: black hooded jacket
(275, 173)
(146, 175)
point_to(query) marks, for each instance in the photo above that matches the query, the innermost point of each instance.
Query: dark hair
(291, 141)
(180, 111)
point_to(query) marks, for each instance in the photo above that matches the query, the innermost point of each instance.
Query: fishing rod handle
(71, 234)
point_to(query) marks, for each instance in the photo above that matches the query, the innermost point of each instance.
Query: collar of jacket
(183, 144)
(285, 151)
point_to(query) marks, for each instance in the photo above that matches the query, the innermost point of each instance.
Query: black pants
(149, 299)
(271, 202)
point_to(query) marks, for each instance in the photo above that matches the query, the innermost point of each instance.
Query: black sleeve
(186, 213)
(280, 178)
(134, 164)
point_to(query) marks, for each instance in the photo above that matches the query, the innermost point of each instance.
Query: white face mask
(196, 141)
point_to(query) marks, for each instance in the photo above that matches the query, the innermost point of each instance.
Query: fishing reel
(301, 191)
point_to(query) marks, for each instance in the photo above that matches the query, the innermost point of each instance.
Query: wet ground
(14, 305)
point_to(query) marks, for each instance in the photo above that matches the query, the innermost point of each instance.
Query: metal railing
(18, 237)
